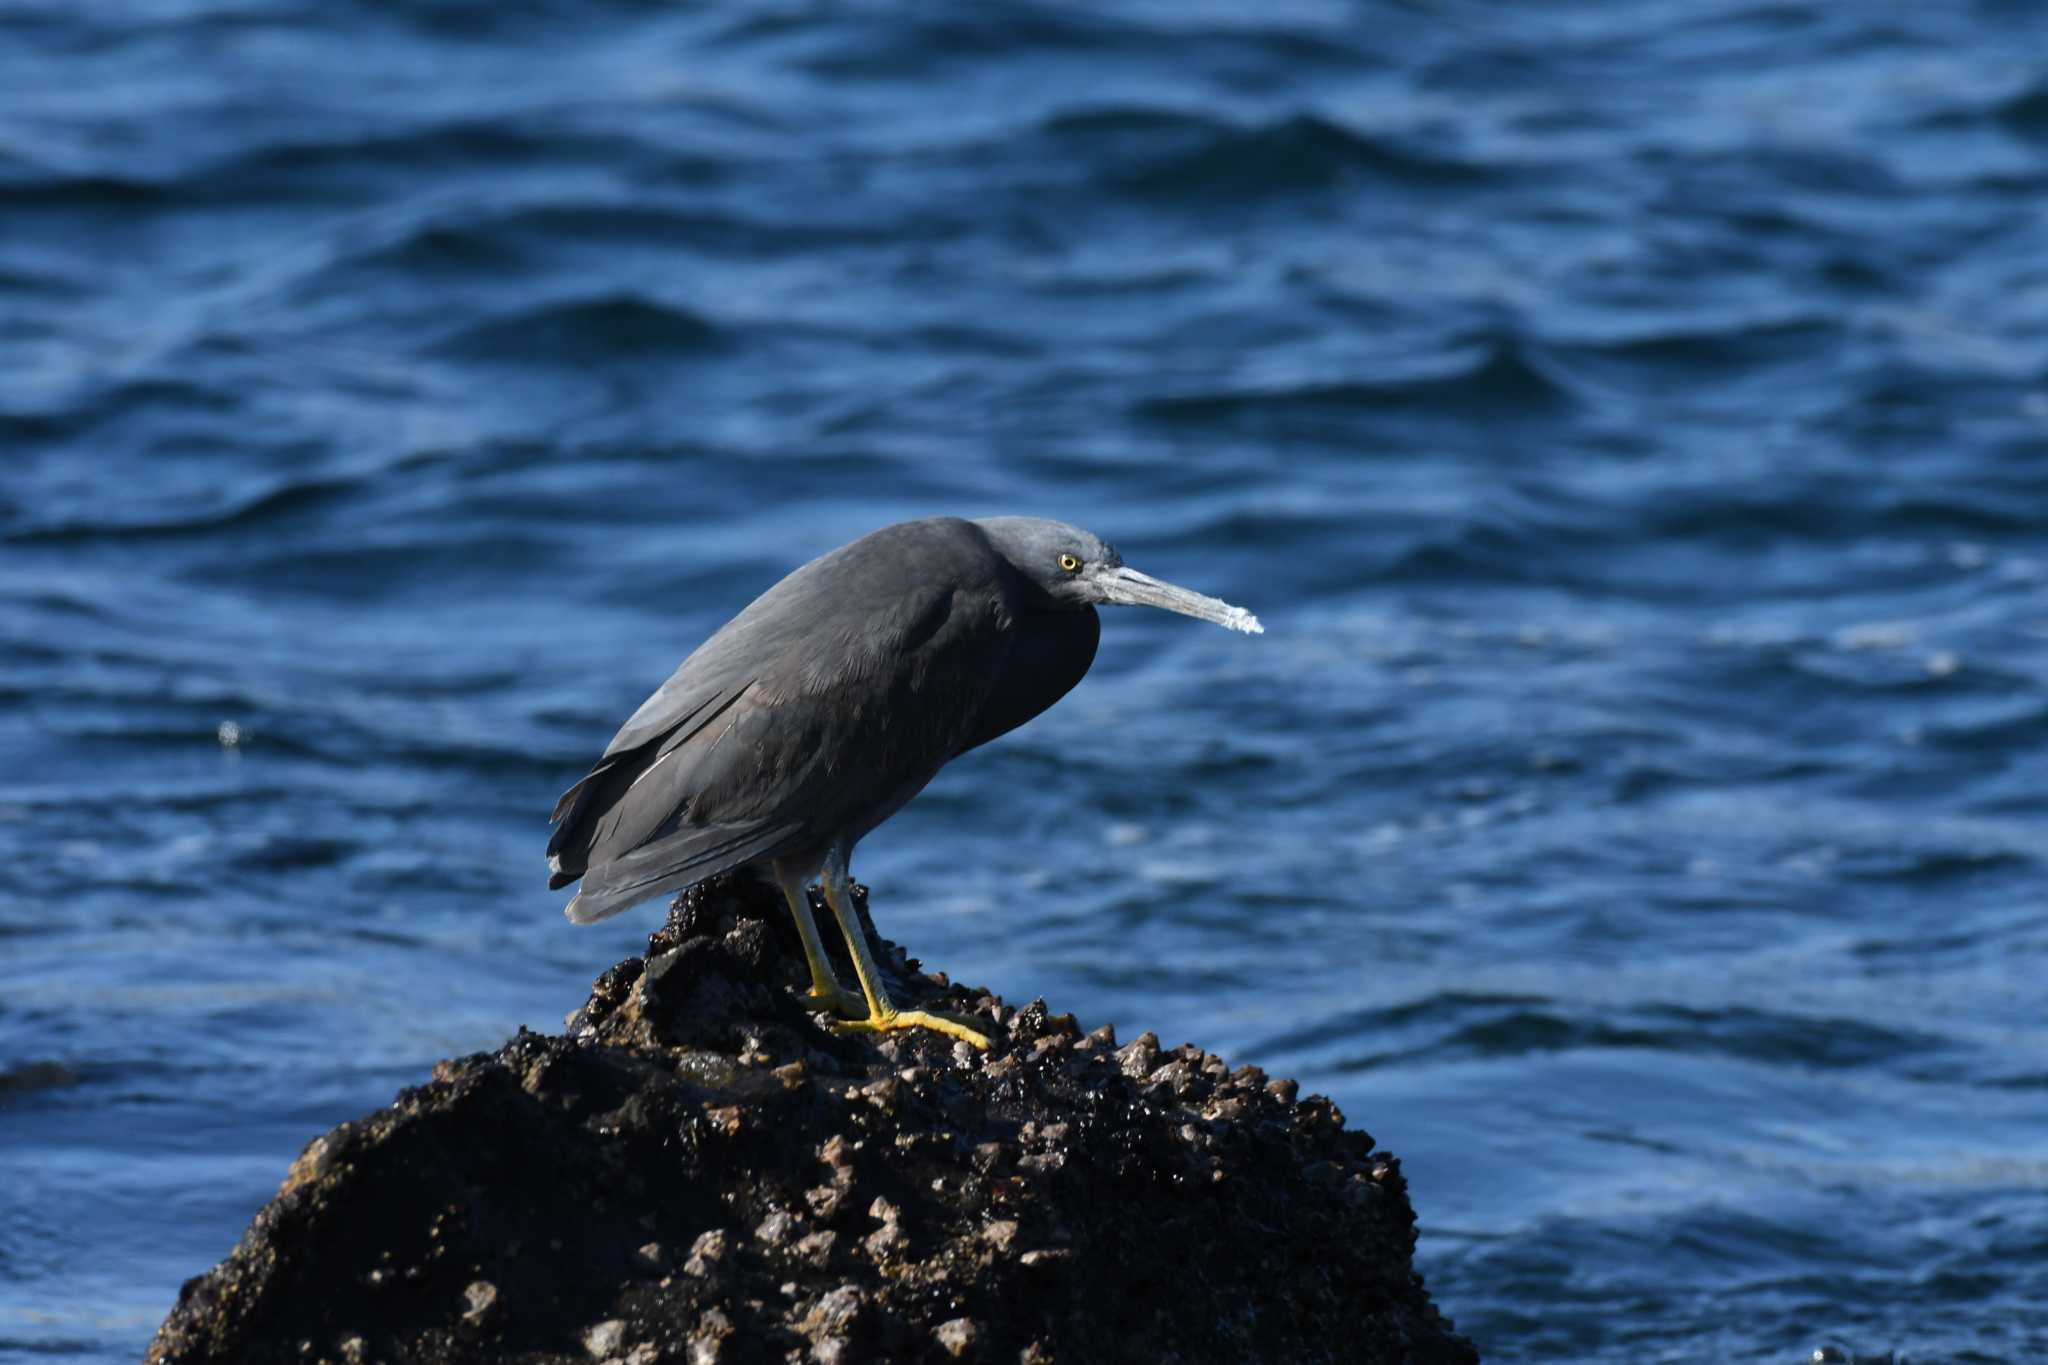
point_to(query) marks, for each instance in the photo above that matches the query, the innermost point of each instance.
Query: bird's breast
(1050, 652)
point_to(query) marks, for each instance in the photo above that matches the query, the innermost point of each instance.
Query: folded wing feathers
(587, 810)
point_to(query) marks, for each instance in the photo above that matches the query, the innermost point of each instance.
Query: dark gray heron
(816, 713)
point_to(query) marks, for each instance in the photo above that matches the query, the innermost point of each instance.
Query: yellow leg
(826, 993)
(883, 1017)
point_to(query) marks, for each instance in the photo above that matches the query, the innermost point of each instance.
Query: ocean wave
(1800, 505)
(1932, 867)
(1443, 1008)
(2014, 726)
(1173, 155)
(1469, 1027)
(240, 508)
(897, 43)
(439, 250)
(89, 192)
(343, 164)
(94, 406)
(1495, 378)
(25, 1076)
(327, 166)
(1699, 353)
(492, 245)
(2025, 112)
(618, 327)
(422, 564)
(1475, 549)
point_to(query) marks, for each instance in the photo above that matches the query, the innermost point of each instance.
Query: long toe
(952, 1026)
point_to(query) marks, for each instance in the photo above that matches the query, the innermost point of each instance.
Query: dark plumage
(818, 711)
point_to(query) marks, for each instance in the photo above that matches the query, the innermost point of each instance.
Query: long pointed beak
(1123, 587)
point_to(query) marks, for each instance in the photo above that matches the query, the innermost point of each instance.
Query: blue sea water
(1630, 422)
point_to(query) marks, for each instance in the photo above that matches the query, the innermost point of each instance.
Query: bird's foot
(836, 1000)
(953, 1026)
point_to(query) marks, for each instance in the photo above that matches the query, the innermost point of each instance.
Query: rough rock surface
(700, 1171)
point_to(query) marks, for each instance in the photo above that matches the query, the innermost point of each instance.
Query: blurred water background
(1630, 421)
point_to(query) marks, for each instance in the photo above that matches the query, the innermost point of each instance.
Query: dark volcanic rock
(701, 1172)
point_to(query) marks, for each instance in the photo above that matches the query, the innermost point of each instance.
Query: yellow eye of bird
(1069, 563)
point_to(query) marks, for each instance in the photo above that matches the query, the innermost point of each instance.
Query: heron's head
(1077, 569)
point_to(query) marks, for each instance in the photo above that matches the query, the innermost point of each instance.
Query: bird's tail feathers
(682, 859)
(581, 913)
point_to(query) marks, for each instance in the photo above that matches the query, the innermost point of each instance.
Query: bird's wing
(582, 809)
(830, 734)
